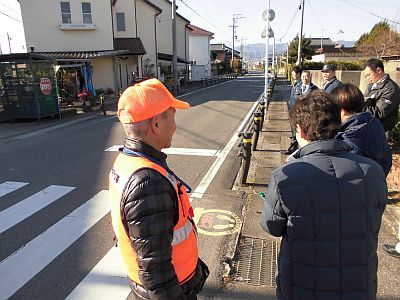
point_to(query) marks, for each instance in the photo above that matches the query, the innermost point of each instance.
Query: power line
(221, 30)
(371, 13)
(10, 8)
(290, 24)
(10, 17)
(315, 15)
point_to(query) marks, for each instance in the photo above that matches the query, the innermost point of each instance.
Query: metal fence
(251, 131)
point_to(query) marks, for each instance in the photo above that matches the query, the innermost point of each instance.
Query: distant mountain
(257, 51)
(346, 43)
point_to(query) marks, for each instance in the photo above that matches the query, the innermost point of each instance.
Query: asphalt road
(55, 232)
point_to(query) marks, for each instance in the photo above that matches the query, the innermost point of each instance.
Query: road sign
(45, 86)
(270, 16)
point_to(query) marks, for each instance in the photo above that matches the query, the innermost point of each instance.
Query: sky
(336, 19)
(11, 23)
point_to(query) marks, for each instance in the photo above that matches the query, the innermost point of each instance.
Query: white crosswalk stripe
(21, 266)
(178, 151)
(22, 210)
(107, 280)
(10, 186)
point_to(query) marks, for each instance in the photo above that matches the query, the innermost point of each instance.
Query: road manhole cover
(255, 261)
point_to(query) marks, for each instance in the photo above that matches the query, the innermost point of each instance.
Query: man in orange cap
(151, 213)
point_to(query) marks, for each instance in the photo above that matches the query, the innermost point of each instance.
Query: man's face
(328, 75)
(373, 76)
(305, 78)
(295, 76)
(167, 127)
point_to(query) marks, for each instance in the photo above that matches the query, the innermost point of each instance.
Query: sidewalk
(73, 115)
(273, 138)
(10, 129)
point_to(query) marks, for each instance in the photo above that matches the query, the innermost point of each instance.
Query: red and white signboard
(45, 86)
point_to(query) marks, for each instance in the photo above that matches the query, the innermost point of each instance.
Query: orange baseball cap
(145, 100)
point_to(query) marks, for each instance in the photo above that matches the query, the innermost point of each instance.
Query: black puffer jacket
(149, 208)
(328, 206)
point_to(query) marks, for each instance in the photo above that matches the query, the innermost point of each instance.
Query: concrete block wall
(354, 77)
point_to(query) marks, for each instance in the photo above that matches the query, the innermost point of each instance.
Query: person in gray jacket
(327, 205)
(330, 80)
(382, 96)
(296, 76)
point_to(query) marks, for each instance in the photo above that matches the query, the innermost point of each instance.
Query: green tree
(381, 40)
(237, 65)
(306, 51)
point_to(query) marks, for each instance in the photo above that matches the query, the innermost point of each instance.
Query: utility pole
(268, 15)
(235, 18)
(322, 37)
(9, 43)
(287, 54)
(273, 56)
(301, 34)
(174, 55)
(243, 51)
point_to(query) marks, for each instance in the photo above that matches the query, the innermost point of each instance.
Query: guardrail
(251, 131)
(209, 81)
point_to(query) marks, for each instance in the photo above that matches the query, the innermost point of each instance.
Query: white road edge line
(208, 178)
(47, 129)
(202, 89)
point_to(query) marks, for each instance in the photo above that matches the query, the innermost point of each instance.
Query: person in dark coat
(330, 80)
(360, 130)
(296, 76)
(327, 205)
(295, 93)
(382, 96)
(303, 90)
(306, 86)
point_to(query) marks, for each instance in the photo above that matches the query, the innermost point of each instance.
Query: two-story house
(221, 57)
(134, 27)
(164, 41)
(199, 52)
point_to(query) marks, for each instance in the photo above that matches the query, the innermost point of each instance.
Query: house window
(86, 13)
(65, 12)
(120, 21)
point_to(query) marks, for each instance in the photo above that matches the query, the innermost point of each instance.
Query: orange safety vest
(184, 243)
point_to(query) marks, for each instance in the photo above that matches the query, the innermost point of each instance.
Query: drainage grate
(255, 261)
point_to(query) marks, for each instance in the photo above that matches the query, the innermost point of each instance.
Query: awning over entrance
(83, 55)
(168, 57)
(23, 56)
(134, 45)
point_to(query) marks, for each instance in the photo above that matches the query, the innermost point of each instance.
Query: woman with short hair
(360, 130)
